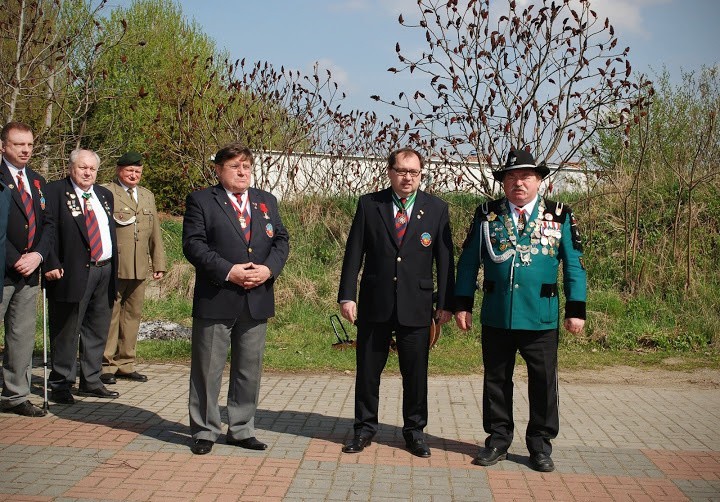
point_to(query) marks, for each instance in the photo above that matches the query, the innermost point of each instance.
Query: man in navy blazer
(399, 234)
(81, 272)
(234, 237)
(27, 245)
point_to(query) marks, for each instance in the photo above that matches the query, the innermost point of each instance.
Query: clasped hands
(249, 275)
(28, 263)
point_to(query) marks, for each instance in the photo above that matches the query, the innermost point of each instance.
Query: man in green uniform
(520, 241)
(140, 255)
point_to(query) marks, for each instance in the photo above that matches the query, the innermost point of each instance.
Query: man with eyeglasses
(396, 237)
(520, 241)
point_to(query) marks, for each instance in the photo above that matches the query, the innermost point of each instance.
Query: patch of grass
(640, 329)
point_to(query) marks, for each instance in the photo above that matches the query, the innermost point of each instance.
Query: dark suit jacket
(72, 246)
(398, 276)
(213, 242)
(4, 210)
(17, 232)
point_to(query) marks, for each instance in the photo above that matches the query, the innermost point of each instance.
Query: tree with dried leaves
(495, 75)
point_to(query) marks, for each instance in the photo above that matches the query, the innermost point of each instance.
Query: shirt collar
(528, 208)
(126, 188)
(13, 170)
(79, 191)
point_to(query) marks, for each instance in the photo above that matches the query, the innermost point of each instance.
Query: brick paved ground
(616, 443)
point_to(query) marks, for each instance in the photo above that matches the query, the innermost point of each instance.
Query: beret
(130, 159)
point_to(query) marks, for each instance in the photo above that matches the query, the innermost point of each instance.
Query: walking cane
(45, 359)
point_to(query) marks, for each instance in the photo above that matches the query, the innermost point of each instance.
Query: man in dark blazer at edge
(234, 237)
(28, 243)
(399, 233)
(81, 273)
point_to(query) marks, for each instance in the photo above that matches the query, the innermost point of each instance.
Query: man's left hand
(28, 263)
(442, 316)
(158, 275)
(255, 275)
(574, 325)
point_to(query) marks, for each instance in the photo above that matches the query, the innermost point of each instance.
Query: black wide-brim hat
(520, 159)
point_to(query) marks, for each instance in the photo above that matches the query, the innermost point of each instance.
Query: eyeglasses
(402, 172)
(238, 167)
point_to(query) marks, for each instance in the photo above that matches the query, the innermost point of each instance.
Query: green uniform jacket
(521, 271)
(139, 238)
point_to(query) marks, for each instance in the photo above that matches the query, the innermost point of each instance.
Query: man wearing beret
(520, 241)
(140, 256)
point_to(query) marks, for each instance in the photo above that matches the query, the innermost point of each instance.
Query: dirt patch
(702, 378)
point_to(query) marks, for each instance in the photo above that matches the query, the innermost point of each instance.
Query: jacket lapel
(12, 184)
(75, 207)
(418, 211)
(124, 197)
(226, 206)
(387, 211)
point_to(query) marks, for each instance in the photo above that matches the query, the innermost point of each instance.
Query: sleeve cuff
(463, 304)
(575, 309)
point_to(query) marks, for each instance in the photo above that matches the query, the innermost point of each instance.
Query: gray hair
(76, 153)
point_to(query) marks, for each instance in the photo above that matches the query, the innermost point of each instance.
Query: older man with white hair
(81, 278)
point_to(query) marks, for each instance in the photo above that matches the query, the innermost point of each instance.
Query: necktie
(243, 214)
(521, 221)
(93, 229)
(131, 193)
(401, 222)
(29, 210)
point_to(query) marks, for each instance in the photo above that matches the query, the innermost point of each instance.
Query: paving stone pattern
(616, 443)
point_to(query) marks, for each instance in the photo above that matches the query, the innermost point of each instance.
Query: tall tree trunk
(18, 64)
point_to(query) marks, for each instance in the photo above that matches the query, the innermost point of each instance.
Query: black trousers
(81, 325)
(539, 349)
(373, 344)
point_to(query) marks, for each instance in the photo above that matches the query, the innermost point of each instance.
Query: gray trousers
(19, 310)
(86, 322)
(211, 339)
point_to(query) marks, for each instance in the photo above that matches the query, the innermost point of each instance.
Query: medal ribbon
(243, 214)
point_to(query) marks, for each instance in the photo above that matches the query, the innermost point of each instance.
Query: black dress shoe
(26, 409)
(134, 376)
(62, 397)
(358, 444)
(108, 379)
(490, 456)
(247, 443)
(201, 446)
(98, 392)
(418, 448)
(541, 462)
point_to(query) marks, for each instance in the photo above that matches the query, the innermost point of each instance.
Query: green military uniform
(520, 271)
(140, 253)
(520, 312)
